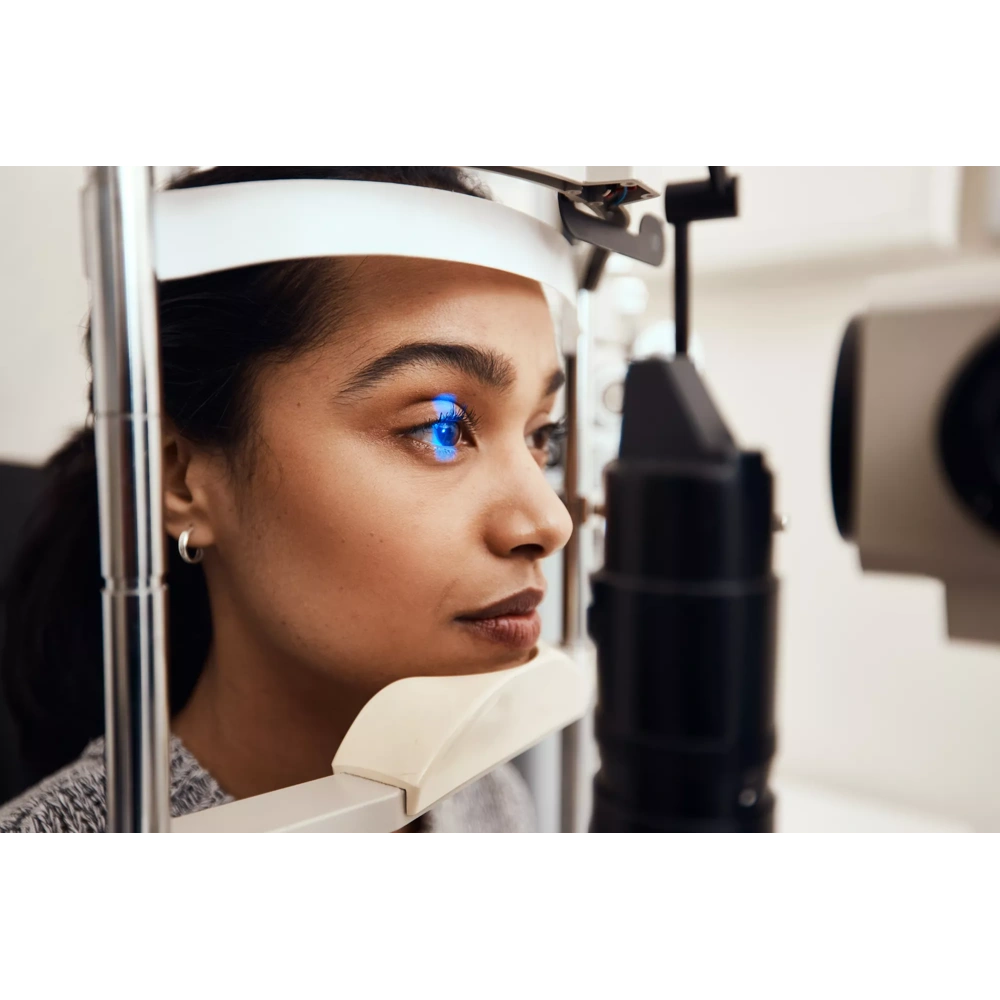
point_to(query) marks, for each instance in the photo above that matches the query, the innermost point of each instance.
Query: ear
(185, 502)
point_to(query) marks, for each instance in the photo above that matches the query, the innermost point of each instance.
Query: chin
(482, 660)
(471, 659)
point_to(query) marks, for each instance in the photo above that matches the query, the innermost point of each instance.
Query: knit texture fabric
(73, 800)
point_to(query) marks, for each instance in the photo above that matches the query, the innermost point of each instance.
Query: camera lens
(969, 433)
(993, 446)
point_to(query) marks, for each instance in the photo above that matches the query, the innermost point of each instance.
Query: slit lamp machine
(680, 676)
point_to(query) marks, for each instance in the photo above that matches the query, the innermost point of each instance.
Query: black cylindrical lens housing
(684, 616)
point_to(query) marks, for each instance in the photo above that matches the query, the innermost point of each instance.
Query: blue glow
(446, 432)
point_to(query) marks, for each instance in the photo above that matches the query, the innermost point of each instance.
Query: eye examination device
(420, 739)
(668, 644)
(684, 611)
(915, 436)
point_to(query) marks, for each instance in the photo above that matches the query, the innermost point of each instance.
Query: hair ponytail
(53, 600)
(52, 655)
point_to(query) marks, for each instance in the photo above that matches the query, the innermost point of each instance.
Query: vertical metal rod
(125, 347)
(681, 289)
(571, 553)
(575, 775)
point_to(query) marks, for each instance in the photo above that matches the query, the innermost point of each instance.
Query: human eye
(452, 429)
(545, 443)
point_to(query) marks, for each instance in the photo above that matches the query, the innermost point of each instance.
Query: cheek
(357, 555)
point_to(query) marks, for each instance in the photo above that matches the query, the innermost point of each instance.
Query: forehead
(394, 301)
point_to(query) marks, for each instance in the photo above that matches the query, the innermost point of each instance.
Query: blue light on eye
(446, 432)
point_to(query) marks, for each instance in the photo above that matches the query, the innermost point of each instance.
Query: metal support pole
(575, 775)
(681, 289)
(126, 372)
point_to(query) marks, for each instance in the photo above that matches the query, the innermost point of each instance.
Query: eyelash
(451, 414)
(465, 418)
(554, 434)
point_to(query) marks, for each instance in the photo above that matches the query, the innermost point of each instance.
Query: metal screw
(748, 797)
(779, 522)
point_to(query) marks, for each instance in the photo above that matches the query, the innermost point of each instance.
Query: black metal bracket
(603, 193)
(602, 227)
(694, 201)
(610, 234)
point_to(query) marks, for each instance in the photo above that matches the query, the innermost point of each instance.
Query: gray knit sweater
(72, 800)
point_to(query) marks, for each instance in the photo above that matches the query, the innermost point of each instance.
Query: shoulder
(499, 802)
(73, 800)
(69, 801)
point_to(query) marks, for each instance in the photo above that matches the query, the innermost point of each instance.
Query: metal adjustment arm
(575, 739)
(117, 226)
(601, 225)
(692, 201)
(607, 233)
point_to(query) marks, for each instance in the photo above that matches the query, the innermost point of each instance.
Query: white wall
(43, 304)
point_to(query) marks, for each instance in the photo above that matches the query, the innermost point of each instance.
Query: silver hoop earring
(189, 555)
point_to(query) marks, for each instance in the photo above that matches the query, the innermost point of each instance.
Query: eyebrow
(556, 381)
(487, 366)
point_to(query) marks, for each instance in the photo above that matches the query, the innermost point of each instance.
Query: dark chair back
(20, 488)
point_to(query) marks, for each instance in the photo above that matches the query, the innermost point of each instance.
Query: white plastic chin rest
(431, 736)
(417, 741)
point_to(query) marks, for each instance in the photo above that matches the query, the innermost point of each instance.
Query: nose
(528, 519)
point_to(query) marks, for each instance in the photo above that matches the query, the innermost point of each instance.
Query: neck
(258, 722)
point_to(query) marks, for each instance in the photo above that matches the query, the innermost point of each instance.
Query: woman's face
(398, 487)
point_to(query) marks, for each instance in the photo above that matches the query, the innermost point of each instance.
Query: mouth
(512, 622)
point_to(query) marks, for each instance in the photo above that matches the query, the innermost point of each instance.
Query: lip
(514, 631)
(521, 603)
(513, 622)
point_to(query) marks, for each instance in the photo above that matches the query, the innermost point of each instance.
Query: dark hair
(216, 331)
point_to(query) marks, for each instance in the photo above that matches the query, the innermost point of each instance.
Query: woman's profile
(354, 490)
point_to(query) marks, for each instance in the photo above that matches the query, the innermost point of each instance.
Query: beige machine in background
(916, 425)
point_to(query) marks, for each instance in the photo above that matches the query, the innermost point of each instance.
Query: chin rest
(431, 736)
(417, 741)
